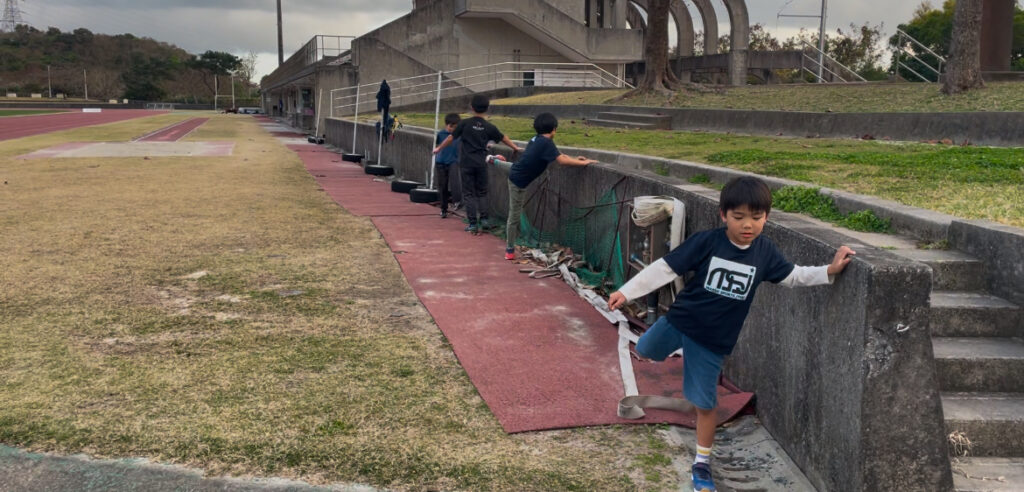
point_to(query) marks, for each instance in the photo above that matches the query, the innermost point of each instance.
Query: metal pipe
(437, 114)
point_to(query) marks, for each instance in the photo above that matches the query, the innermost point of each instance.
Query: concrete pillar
(592, 11)
(739, 36)
(996, 35)
(619, 8)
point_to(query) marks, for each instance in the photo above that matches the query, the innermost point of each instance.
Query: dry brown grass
(300, 352)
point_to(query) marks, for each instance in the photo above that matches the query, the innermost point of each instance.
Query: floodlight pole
(233, 91)
(85, 80)
(48, 85)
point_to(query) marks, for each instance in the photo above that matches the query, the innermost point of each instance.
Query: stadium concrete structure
(448, 35)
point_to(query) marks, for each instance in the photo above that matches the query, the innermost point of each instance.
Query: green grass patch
(24, 112)
(809, 201)
(968, 182)
(854, 98)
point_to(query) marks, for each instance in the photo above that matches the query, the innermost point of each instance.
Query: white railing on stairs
(345, 101)
(907, 46)
(811, 55)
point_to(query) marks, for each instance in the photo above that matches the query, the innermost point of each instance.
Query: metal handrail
(466, 86)
(460, 70)
(912, 40)
(829, 58)
(901, 49)
(465, 78)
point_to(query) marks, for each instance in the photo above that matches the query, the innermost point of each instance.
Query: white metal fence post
(437, 114)
(355, 121)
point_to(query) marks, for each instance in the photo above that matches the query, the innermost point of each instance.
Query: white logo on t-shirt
(729, 279)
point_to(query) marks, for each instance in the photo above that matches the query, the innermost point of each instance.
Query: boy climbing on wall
(706, 318)
(540, 152)
(474, 133)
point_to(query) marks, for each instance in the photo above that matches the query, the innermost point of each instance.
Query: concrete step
(993, 422)
(951, 270)
(661, 121)
(621, 124)
(979, 364)
(973, 314)
(988, 474)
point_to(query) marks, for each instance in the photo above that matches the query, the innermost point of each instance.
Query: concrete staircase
(979, 356)
(559, 31)
(632, 120)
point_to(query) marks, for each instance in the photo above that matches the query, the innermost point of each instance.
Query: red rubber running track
(25, 126)
(539, 355)
(173, 133)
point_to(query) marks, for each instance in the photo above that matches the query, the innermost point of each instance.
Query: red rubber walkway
(540, 356)
(24, 126)
(173, 133)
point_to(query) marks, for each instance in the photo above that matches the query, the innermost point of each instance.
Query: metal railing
(423, 88)
(906, 45)
(813, 70)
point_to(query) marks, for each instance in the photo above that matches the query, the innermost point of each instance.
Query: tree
(964, 70)
(215, 63)
(142, 79)
(658, 75)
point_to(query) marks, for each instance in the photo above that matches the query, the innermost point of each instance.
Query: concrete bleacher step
(620, 124)
(973, 314)
(988, 364)
(951, 270)
(993, 422)
(972, 474)
(659, 121)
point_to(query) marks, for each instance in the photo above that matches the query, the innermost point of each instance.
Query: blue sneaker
(472, 228)
(702, 481)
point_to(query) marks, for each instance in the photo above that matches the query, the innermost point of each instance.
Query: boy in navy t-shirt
(444, 160)
(540, 152)
(706, 318)
(474, 133)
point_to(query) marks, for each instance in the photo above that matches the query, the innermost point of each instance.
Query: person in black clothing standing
(475, 132)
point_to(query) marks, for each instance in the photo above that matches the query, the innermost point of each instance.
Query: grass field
(970, 182)
(24, 112)
(853, 98)
(224, 313)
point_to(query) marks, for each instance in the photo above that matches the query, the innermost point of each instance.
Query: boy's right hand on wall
(616, 300)
(437, 149)
(842, 258)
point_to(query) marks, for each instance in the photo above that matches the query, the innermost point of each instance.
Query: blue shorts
(701, 366)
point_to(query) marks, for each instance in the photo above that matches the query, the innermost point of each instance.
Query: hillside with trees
(116, 66)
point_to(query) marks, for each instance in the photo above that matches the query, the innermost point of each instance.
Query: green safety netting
(588, 231)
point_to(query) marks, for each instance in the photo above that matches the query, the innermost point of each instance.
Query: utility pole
(821, 40)
(85, 79)
(233, 91)
(49, 86)
(215, 92)
(821, 35)
(280, 38)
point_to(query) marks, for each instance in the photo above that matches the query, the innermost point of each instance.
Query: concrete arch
(739, 44)
(684, 24)
(636, 21)
(709, 19)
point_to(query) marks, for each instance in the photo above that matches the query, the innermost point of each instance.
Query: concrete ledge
(980, 128)
(844, 374)
(1001, 247)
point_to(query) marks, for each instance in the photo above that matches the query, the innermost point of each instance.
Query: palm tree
(964, 70)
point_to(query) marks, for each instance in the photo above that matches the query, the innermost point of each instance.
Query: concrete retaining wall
(980, 128)
(843, 374)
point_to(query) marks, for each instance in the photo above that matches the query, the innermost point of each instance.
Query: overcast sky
(241, 26)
